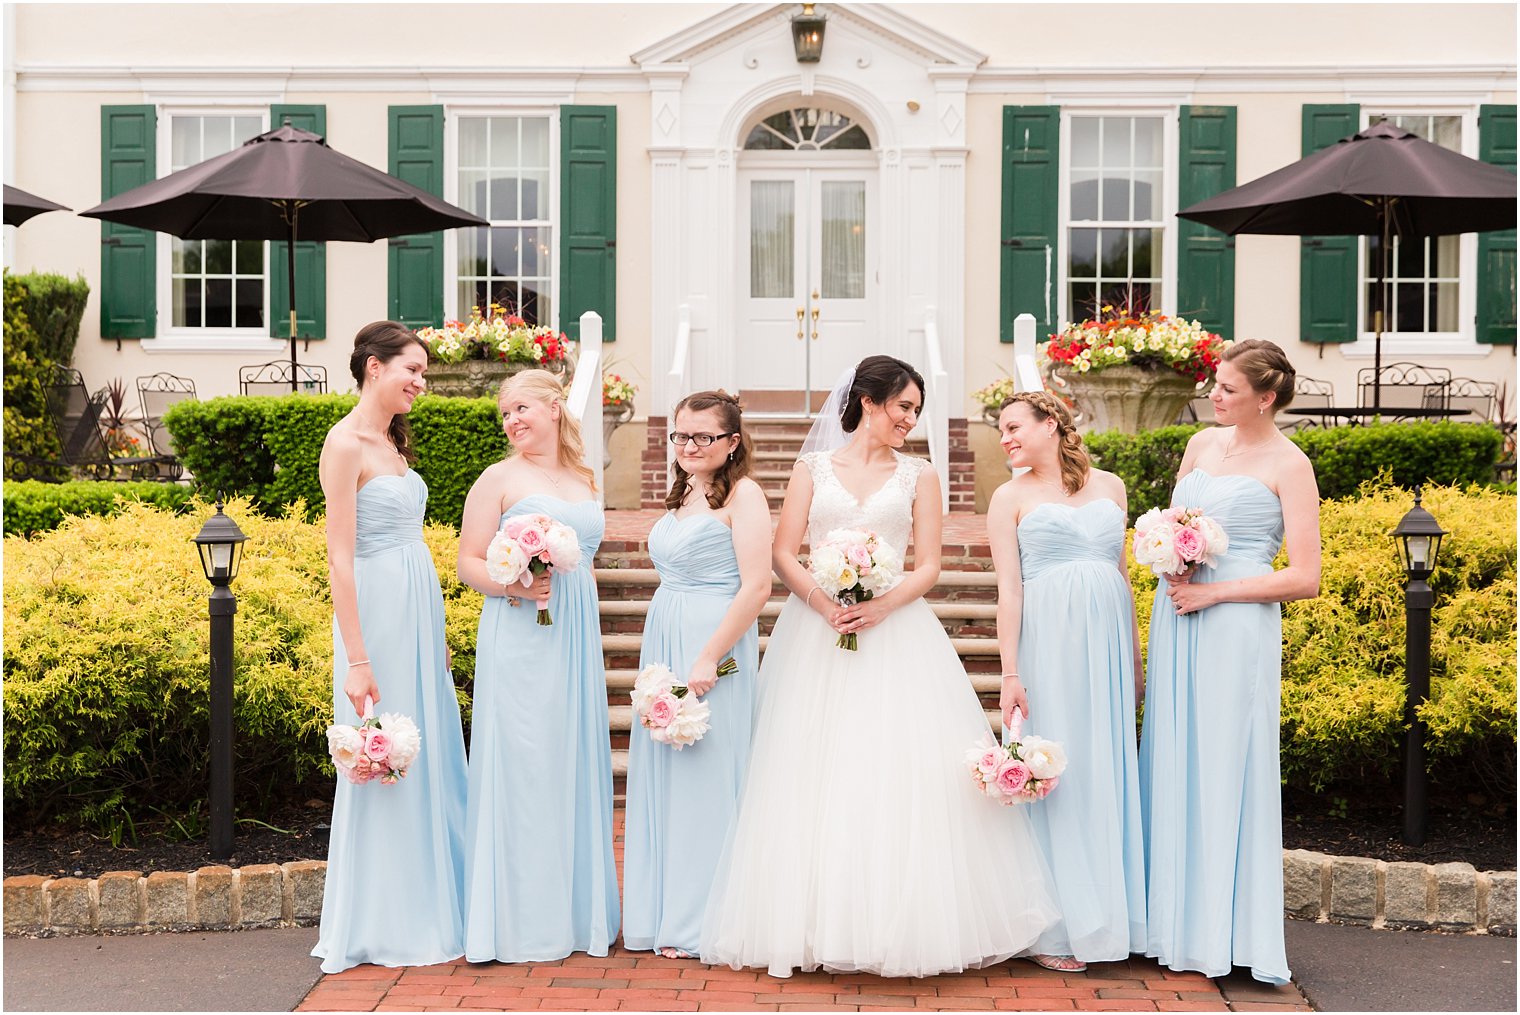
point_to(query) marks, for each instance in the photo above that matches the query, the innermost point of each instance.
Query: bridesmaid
(1209, 753)
(713, 552)
(1066, 626)
(539, 876)
(395, 867)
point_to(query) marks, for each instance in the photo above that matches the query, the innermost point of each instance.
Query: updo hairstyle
(1266, 368)
(1071, 452)
(877, 378)
(737, 465)
(385, 340)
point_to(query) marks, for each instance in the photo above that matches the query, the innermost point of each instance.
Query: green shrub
(1343, 653)
(55, 305)
(32, 507)
(28, 429)
(1344, 457)
(106, 685)
(267, 448)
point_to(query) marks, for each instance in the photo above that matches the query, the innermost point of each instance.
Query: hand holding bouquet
(853, 566)
(668, 710)
(1172, 540)
(382, 748)
(528, 546)
(1020, 771)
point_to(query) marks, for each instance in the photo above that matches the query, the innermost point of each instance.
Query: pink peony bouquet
(382, 748)
(1019, 771)
(528, 546)
(668, 710)
(853, 566)
(1171, 540)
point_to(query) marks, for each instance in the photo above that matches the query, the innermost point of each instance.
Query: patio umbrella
(283, 185)
(20, 206)
(1383, 181)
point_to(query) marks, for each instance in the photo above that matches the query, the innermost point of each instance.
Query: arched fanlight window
(807, 129)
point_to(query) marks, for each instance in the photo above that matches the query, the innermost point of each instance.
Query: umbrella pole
(290, 269)
(1380, 314)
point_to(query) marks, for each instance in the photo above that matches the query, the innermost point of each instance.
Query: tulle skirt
(861, 842)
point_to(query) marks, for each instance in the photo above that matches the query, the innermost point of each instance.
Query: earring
(1261, 410)
(730, 456)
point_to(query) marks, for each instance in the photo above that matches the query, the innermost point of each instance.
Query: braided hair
(1071, 452)
(730, 411)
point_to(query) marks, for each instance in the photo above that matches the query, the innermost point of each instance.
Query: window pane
(771, 239)
(535, 142)
(470, 259)
(245, 128)
(186, 141)
(1114, 244)
(763, 138)
(534, 302)
(219, 258)
(1145, 296)
(1115, 199)
(472, 142)
(852, 138)
(1084, 300)
(472, 191)
(217, 135)
(250, 304)
(1147, 142)
(535, 195)
(505, 146)
(250, 257)
(505, 244)
(184, 256)
(1084, 253)
(1409, 307)
(1084, 195)
(1084, 141)
(1446, 256)
(1443, 306)
(1116, 142)
(1148, 195)
(503, 205)
(844, 240)
(186, 299)
(218, 302)
(1409, 257)
(1146, 244)
(535, 252)
(1446, 131)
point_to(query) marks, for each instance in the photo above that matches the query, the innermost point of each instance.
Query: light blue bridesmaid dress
(1076, 658)
(1209, 777)
(539, 876)
(681, 803)
(394, 892)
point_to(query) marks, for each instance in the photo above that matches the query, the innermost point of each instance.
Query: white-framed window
(1117, 201)
(1432, 290)
(212, 294)
(504, 167)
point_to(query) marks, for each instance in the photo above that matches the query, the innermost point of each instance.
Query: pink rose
(377, 746)
(859, 556)
(991, 759)
(662, 711)
(1011, 777)
(1046, 785)
(1174, 514)
(531, 539)
(513, 526)
(1189, 544)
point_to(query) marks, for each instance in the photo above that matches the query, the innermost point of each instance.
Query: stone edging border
(1452, 897)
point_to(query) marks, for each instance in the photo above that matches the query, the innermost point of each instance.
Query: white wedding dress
(861, 843)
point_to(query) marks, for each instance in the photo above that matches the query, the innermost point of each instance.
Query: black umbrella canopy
(251, 192)
(1343, 189)
(20, 206)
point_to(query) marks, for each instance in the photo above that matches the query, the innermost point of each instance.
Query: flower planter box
(1125, 397)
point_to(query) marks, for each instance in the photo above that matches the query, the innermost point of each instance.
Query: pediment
(737, 24)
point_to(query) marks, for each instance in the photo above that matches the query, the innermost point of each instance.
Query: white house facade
(744, 219)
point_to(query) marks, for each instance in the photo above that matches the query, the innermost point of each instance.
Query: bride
(861, 843)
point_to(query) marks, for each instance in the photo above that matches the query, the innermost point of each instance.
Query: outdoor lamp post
(220, 543)
(1418, 537)
(807, 35)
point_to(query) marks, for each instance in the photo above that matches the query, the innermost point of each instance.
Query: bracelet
(1005, 676)
(809, 600)
(358, 662)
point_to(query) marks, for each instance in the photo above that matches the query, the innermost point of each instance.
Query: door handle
(800, 314)
(815, 319)
(815, 295)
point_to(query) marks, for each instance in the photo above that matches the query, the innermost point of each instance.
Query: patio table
(1355, 414)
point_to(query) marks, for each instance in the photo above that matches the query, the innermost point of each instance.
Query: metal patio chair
(273, 378)
(156, 393)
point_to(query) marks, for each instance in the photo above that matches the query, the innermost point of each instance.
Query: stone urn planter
(1125, 397)
(613, 416)
(480, 378)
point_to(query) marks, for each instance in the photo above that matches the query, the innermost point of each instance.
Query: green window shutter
(1327, 265)
(1030, 263)
(311, 255)
(1206, 257)
(128, 256)
(416, 262)
(1496, 251)
(588, 217)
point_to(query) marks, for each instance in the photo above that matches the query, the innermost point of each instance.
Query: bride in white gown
(861, 843)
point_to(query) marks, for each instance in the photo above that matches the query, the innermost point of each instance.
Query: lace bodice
(888, 511)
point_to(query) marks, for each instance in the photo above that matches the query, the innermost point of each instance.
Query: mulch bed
(1484, 839)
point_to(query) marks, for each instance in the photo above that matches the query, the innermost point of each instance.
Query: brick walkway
(640, 981)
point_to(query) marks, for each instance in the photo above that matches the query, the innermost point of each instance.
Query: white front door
(807, 282)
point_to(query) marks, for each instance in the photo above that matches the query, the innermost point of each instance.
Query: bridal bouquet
(382, 748)
(1020, 771)
(1171, 540)
(668, 710)
(528, 546)
(853, 566)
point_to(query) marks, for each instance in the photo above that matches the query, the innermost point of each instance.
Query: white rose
(406, 742)
(344, 744)
(1046, 758)
(505, 560)
(564, 547)
(1216, 542)
(1155, 549)
(846, 577)
(652, 681)
(826, 564)
(690, 724)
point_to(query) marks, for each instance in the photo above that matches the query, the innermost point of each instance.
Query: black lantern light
(1418, 537)
(807, 35)
(220, 543)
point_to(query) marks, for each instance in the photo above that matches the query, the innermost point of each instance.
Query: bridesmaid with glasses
(712, 549)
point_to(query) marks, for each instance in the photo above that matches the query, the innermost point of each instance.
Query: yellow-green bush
(1343, 653)
(106, 684)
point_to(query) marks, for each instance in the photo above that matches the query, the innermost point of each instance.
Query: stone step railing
(1451, 897)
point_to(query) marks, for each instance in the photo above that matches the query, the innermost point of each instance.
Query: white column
(666, 218)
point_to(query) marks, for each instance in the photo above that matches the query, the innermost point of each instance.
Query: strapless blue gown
(1077, 661)
(394, 892)
(681, 803)
(539, 876)
(1209, 777)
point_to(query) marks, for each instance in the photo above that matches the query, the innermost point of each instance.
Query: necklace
(1052, 484)
(1231, 451)
(384, 437)
(540, 468)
